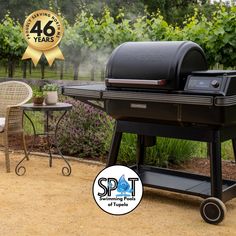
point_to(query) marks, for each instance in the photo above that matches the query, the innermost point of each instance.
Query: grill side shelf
(84, 91)
(225, 101)
(166, 98)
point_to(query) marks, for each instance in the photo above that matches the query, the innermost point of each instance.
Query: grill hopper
(153, 65)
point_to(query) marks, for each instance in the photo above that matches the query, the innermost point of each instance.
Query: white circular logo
(117, 190)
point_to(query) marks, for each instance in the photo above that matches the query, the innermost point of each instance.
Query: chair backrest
(13, 93)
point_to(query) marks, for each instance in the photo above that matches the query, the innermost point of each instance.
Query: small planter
(50, 92)
(38, 101)
(51, 97)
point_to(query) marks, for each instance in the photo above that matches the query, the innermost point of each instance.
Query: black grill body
(208, 98)
(163, 89)
(176, 114)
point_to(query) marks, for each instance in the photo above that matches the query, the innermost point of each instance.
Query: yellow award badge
(43, 30)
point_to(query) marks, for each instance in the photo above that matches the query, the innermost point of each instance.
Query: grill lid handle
(161, 82)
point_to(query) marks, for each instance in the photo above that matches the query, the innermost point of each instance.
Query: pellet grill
(164, 89)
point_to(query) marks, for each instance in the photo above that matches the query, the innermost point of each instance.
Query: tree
(21, 8)
(222, 37)
(12, 43)
(77, 41)
(175, 12)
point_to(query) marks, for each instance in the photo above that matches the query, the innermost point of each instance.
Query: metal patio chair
(12, 95)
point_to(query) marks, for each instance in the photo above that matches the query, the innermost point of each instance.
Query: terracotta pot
(51, 98)
(38, 101)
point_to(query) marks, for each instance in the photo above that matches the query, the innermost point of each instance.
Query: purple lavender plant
(84, 131)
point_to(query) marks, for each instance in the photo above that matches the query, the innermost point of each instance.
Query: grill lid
(155, 65)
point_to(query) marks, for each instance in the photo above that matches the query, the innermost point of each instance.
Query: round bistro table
(47, 109)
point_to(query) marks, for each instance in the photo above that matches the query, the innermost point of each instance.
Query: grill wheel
(213, 210)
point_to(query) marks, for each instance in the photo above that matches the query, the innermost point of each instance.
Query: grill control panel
(219, 85)
(218, 82)
(204, 83)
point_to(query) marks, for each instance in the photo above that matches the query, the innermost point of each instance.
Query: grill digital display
(195, 83)
(201, 83)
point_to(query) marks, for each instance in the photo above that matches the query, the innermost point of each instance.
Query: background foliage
(90, 39)
(173, 11)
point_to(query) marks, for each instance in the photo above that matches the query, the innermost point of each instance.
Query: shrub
(127, 153)
(174, 151)
(84, 131)
(164, 152)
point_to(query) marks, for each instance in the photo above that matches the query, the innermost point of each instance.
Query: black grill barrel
(162, 65)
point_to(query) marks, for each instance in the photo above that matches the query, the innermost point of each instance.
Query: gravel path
(43, 202)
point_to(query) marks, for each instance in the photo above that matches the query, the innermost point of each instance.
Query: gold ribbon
(43, 31)
(50, 54)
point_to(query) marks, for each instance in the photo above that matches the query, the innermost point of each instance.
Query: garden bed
(202, 166)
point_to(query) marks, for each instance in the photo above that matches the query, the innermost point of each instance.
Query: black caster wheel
(213, 210)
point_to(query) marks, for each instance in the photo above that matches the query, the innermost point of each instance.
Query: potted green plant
(51, 95)
(38, 96)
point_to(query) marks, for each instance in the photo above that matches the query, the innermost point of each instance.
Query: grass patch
(38, 121)
(50, 73)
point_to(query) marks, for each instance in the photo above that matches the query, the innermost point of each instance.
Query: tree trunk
(6, 68)
(61, 70)
(13, 67)
(10, 67)
(30, 67)
(76, 71)
(92, 73)
(102, 74)
(42, 70)
(67, 67)
(24, 69)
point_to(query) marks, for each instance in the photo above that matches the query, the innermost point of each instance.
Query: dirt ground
(43, 202)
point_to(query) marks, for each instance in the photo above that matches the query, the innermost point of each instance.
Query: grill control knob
(215, 83)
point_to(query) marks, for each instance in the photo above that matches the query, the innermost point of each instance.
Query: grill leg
(234, 148)
(115, 146)
(209, 150)
(140, 150)
(215, 166)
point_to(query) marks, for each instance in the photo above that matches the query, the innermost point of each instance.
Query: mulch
(202, 166)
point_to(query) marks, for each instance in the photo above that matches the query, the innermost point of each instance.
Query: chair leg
(24, 146)
(7, 159)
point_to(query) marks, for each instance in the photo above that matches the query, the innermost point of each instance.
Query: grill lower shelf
(177, 181)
